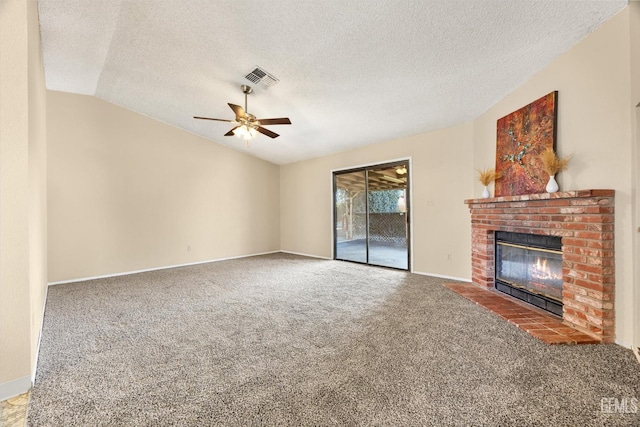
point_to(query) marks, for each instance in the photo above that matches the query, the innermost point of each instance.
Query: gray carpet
(288, 340)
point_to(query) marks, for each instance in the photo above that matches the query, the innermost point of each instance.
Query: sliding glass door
(351, 216)
(371, 215)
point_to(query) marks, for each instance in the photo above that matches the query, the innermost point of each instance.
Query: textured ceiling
(351, 73)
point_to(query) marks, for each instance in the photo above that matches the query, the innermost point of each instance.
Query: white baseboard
(15, 387)
(307, 255)
(459, 279)
(83, 279)
(441, 276)
(126, 273)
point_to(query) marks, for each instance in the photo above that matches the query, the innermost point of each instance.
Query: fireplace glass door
(529, 267)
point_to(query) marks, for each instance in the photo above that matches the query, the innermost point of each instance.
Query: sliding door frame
(408, 202)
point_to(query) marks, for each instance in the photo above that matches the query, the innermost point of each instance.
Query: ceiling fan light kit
(245, 132)
(246, 125)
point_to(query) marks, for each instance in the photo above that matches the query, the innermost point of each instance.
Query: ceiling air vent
(260, 76)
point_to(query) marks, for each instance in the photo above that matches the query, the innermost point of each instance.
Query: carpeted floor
(288, 340)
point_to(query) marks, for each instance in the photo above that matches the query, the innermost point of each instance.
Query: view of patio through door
(371, 211)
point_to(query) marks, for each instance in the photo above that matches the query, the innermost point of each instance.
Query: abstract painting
(521, 137)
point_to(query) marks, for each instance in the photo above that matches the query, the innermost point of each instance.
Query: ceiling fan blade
(267, 132)
(230, 133)
(210, 118)
(238, 110)
(280, 121)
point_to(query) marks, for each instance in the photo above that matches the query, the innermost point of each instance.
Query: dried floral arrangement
(487, 176)
(552, 163)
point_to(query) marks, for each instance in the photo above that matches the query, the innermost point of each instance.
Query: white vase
(485, 193)
(552, 185)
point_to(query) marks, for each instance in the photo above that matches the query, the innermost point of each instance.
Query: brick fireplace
(584, 220)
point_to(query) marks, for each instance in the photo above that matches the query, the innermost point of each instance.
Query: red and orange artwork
(521, 137)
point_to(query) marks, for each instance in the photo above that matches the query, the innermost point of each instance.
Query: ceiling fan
(245, 124)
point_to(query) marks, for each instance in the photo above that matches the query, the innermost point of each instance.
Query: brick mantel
(577, 194)
(585, 221)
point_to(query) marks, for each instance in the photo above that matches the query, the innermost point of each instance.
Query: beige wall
(634, 20)
(127, 193)
(441, 177)
(14, 181)
(594, 126)
(22, 194)
(37, 181)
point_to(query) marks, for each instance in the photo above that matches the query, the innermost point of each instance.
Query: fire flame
(542, 271)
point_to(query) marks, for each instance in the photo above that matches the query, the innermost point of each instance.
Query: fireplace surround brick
(584, 219)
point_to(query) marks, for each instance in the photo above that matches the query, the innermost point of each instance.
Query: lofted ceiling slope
(351, 73)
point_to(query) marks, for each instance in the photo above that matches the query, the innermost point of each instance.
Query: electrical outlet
(430, 203)
(449, 256)
(188, 248)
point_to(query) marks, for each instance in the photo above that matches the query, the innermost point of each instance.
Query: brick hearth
(585, 221)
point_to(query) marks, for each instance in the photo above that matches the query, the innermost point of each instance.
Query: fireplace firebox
(529, 267)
